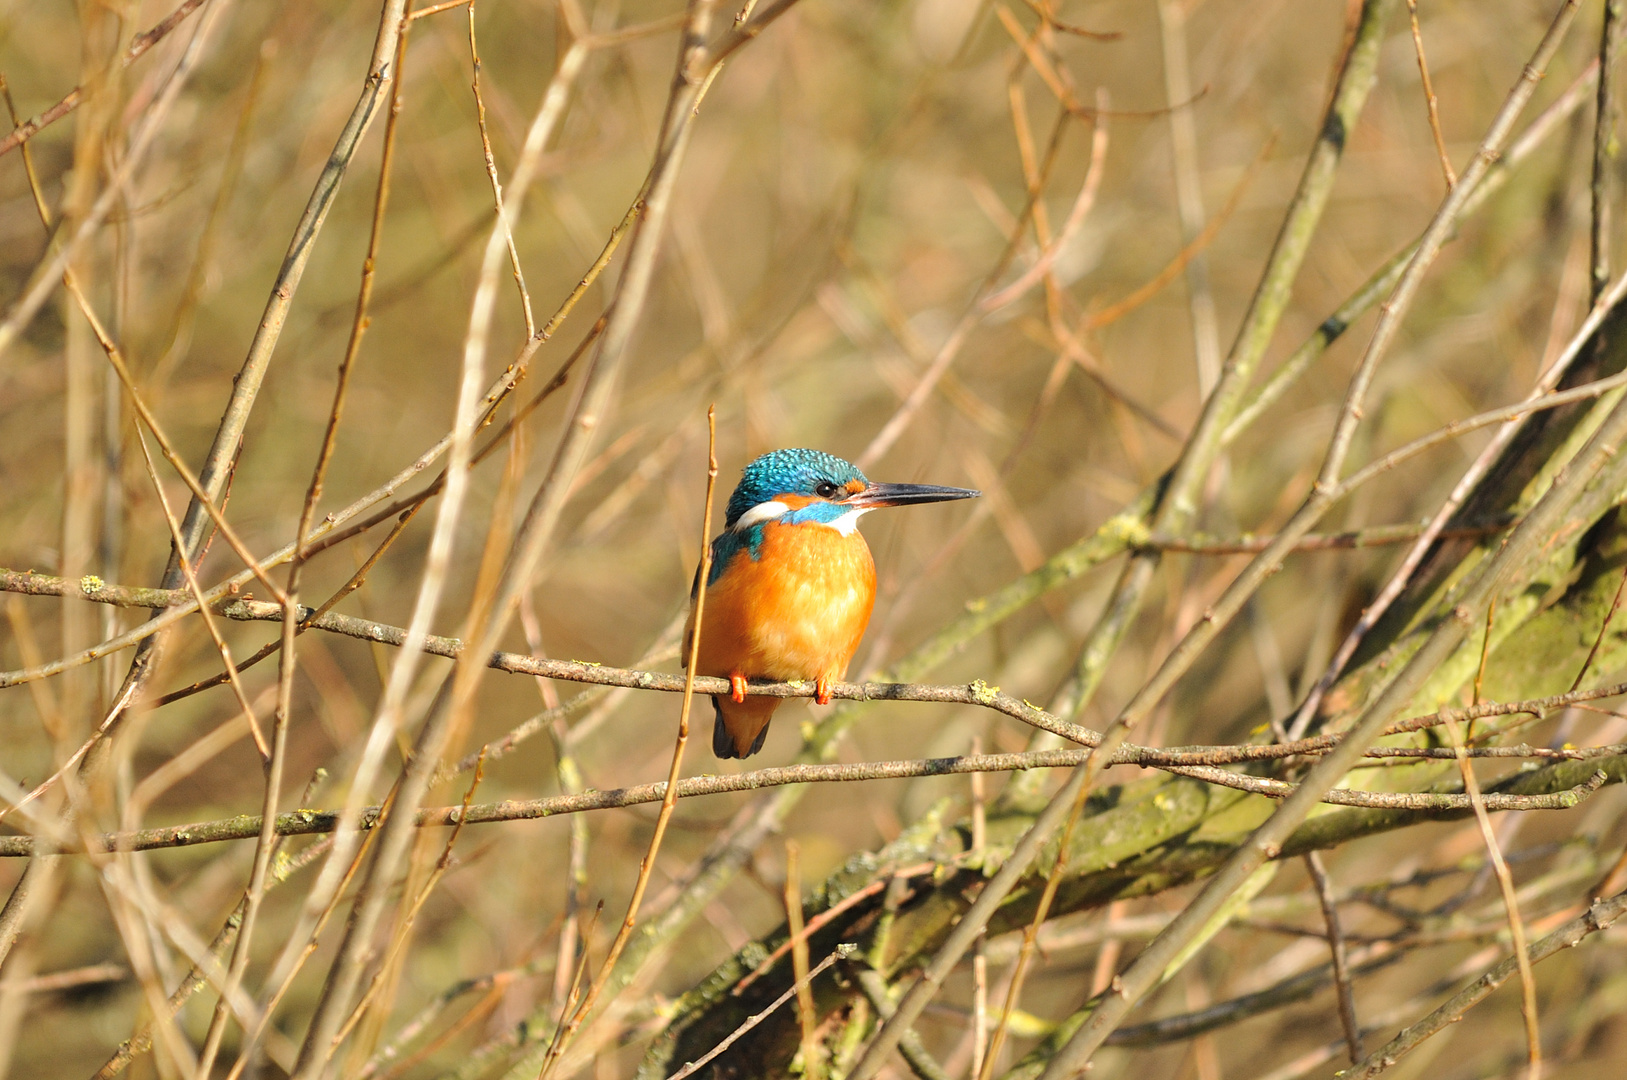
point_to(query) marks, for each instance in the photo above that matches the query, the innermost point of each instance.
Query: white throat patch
(848, 521)
(773, 510)
(765, 511)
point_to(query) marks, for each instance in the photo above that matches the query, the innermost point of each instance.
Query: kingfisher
(792, 584)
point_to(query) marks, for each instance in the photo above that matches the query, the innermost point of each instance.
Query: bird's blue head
(807, 487)
(811, 473)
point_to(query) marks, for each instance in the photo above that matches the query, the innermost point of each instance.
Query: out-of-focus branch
(1176, 507)
(454, 702)
(1606, 150)
(1598, 917)
(1148, 967)
(202, 511)
(21, 133)
(1139, 839)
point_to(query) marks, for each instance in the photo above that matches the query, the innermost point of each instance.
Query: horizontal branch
(1204, 759)
(247, 609)
(1203, 763)
(307, 822)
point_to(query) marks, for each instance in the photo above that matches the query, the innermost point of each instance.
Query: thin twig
(196, 590)
(1511, 904)
(807, 1018)
(980, 959)
(1183, 258)
(1371, 536)
(193, 483)
(1599, 916)
(21, 133)
(842, 952)
(1429, 98)
(1082, 204)
(1288, 991)
(1057, 24)
(669, 799)
(503, 222)
(436, 9)
(1341, 963)
(1485, 654)
(1604, 628)
(1183, 137)
(824, 918)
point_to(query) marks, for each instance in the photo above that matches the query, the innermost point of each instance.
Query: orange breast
(798, 611)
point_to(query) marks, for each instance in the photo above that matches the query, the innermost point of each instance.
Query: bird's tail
(739, 729)
(722, 741)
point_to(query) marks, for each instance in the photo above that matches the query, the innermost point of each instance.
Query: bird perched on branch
(792, 584)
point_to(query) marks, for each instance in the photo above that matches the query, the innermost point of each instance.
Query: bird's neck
(807, 518)
(799, 510)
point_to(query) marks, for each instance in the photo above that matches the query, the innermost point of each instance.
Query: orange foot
(737, 687)
(822, 691)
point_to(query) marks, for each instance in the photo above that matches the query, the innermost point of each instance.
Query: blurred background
(854, 180)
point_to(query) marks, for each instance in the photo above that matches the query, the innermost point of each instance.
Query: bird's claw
(822, 692)
(737, 688)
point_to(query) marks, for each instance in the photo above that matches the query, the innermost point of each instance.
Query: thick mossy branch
(1546, 442)
(1138, 839)
(1164, 832)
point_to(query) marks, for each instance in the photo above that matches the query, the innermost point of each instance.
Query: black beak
(908, 495)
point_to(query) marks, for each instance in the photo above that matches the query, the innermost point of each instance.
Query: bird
(792, 584)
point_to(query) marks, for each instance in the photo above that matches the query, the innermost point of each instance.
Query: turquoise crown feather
(788, 472)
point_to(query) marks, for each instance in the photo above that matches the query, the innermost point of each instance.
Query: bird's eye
(827, 490)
